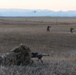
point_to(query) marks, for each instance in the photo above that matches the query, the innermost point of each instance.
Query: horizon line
(35, 9)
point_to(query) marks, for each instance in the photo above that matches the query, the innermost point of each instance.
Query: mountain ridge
(34, 13)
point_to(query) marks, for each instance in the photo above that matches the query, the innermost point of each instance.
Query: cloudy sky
(55, 5)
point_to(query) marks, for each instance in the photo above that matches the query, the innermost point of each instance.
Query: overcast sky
(55, 5)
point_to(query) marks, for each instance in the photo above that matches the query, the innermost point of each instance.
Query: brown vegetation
(59, 43)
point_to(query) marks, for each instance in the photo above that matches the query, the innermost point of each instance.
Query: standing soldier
(71, 30)
(48, 28)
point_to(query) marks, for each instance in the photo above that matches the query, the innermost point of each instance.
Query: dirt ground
(32, 32)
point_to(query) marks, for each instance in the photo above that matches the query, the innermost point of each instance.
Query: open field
(59, 43)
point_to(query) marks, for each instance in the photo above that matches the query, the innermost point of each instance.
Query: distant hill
(28, 13)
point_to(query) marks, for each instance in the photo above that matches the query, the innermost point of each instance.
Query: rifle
(39, 56)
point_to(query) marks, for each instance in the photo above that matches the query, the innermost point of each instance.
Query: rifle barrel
(45, 55)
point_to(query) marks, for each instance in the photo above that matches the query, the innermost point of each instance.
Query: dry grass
(59, 43)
